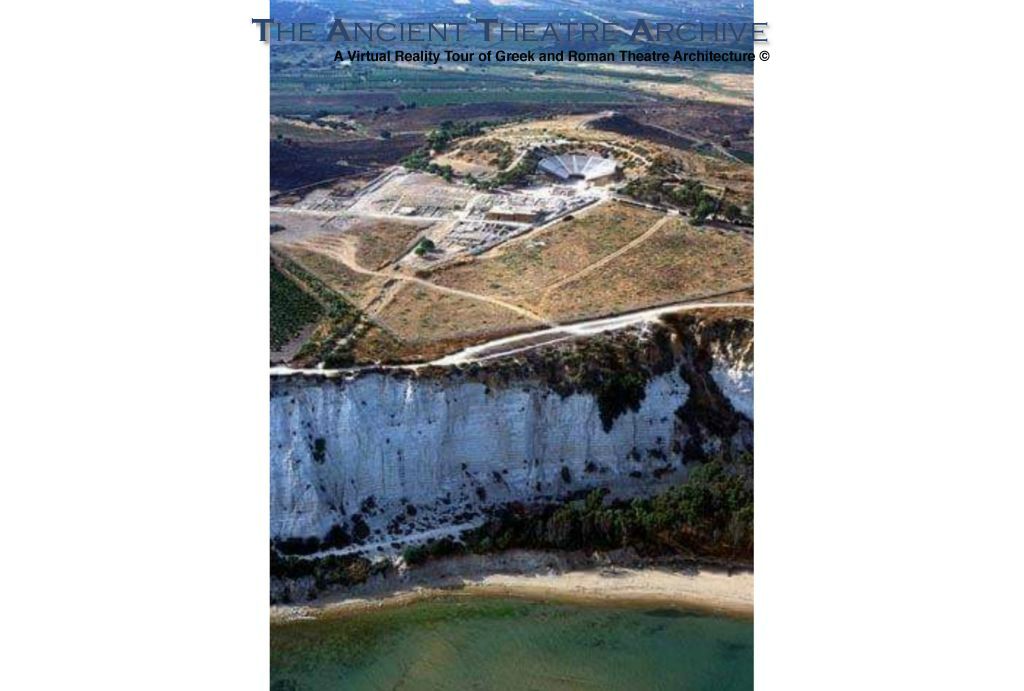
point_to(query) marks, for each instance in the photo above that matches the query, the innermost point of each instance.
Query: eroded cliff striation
(378, 460)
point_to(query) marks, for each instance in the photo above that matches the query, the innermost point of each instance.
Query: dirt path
(591, 268)
(510, 345)
(347, 257)
(383, 298)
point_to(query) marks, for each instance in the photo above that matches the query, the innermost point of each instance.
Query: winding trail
(511, 345)
(349, 261)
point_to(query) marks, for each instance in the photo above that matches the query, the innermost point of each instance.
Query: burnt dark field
(624, 124)
(297, 161)
(296, 164)
(731, 124)
(300, 159)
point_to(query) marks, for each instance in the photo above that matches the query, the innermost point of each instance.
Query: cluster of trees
(420, 160)
(327, 572)
(690, 195)
(424, 246)
(323, 118)
(515, 175)
(711, 515)
(439, 139)
(445, 547)
(735, 214)
(335, 538)
(379, 110)
(732, 212)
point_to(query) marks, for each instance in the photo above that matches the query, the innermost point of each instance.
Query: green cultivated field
(508, 95)
(378, 85)
(291, 309)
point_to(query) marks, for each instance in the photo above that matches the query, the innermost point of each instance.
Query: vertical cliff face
(391, 456)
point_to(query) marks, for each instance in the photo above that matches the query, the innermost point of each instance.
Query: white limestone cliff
(450, 448)
(396, 457)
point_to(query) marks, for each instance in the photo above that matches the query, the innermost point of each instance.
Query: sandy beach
(541, 576)
(715, 590)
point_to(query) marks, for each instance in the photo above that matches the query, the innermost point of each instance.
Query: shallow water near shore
(499, 643)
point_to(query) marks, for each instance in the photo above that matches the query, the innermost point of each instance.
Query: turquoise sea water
(492, 643)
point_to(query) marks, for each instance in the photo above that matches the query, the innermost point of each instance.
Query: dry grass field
(380, 242)
(352, 251)
(371, 244)
(519, 270)
(377, 345)
(678, 262)
(609, 258)
(420, 315)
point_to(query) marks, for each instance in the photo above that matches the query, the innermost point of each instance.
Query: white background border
(134, 289)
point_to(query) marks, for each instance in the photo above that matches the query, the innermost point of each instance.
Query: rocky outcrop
(381, 459)
(718, 364)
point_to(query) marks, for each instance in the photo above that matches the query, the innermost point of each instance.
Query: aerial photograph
(511, 346)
